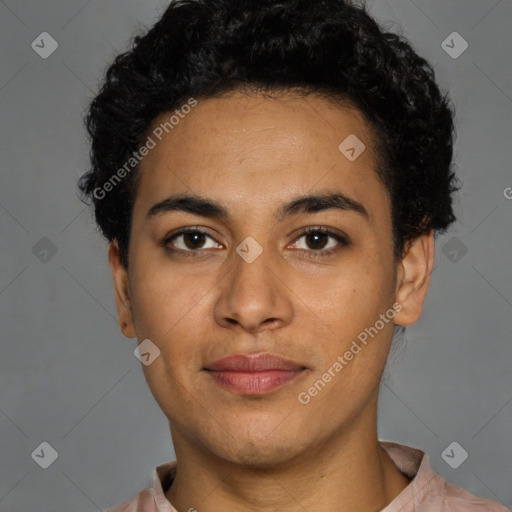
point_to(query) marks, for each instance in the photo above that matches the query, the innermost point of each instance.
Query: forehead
(254, 150)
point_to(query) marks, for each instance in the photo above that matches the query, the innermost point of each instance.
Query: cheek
(163, 297)
(353, 298)
(360, 282)
(171, 310)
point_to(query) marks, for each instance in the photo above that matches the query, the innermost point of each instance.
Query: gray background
(67, 375)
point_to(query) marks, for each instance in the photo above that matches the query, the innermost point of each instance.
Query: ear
(121, 289)
(413, 278)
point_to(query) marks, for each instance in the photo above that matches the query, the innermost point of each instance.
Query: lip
(254, 374)
(260, 362)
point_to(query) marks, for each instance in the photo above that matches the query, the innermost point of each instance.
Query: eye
(317, 242)
(190, 240)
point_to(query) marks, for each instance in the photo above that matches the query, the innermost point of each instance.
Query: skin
(253, 153)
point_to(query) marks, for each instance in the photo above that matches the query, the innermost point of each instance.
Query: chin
(258, 446)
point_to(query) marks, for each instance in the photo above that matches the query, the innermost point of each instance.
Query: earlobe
(413, 278)
(121, 291)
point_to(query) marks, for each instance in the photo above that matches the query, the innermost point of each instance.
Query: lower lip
(254, 383)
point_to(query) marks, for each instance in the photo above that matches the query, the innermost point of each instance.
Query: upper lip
(253, 363)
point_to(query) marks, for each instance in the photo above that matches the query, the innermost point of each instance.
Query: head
(308, 154)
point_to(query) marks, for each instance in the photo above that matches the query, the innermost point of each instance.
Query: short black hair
(204, 48)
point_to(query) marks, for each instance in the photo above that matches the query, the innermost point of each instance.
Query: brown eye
(190, 240)
(317, 240)
(193, 240)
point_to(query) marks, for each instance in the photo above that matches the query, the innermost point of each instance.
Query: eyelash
(311, 253)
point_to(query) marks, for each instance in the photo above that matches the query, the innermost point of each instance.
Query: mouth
(254, 374)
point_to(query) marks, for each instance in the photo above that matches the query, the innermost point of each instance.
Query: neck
(348, 471)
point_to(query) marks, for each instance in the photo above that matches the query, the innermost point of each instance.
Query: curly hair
(204, 48)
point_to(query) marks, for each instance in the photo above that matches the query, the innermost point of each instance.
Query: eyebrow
(204, 207)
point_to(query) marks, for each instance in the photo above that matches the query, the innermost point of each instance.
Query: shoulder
(152, 499)
(427, 490)
(457, 499)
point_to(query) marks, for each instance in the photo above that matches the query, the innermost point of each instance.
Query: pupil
(195, 242)
(316, 236)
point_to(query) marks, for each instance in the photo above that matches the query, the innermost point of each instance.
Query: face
(262, 270)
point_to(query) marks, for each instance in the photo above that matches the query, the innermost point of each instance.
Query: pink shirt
(427, 491)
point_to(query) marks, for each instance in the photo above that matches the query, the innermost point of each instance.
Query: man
(270, 176)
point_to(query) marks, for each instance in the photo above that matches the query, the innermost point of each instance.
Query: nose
(253, 296)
